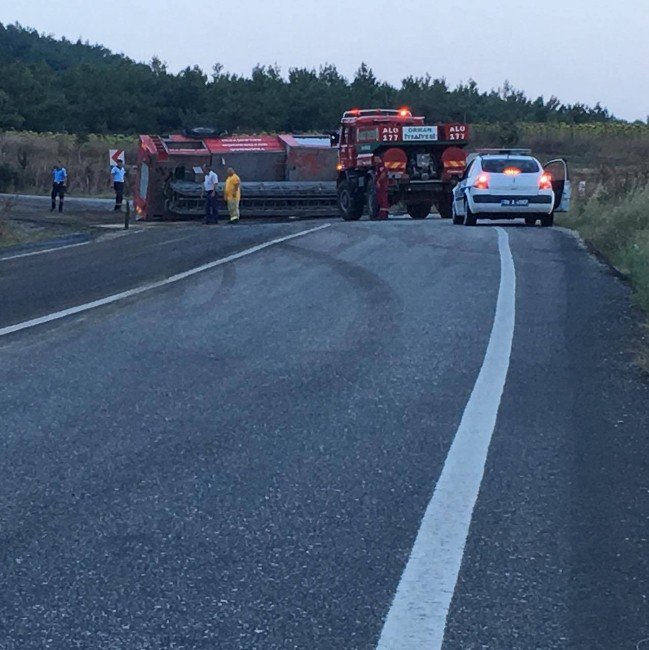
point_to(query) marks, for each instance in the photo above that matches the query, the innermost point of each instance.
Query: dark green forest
(50, 85)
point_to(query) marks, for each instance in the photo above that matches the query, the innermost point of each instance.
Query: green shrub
(617, 224)
(85, 158)
(8, 177)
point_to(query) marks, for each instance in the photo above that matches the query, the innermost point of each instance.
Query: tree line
(52, 85)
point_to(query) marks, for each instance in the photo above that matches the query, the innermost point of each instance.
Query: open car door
(459, 203)
(558, 170)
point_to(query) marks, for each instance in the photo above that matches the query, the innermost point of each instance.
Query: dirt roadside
(26, 221)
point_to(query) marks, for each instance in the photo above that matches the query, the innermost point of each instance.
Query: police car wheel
(470, 219)
(547, 220)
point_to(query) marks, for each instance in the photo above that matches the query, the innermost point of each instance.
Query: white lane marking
(153, 285)
(45, 250)
(106, 237)
(417, 617)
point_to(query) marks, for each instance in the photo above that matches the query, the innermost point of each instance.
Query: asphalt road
(242, 458)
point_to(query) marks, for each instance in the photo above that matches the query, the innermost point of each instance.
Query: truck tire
(350, 203)
(418, 210)
(547, 220)
(445, 206)
(373, 208)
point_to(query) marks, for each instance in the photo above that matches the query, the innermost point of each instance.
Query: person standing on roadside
(59, 181)
(232, 194)
(210, 182)
(118, 175)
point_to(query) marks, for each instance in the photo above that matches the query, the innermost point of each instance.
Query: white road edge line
(54, 249)
(154, 285)
(45, 250)
(417, 617)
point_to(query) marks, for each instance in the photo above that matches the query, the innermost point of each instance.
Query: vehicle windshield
(499, 165)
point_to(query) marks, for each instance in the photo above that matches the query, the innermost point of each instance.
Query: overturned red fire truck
(282, 175)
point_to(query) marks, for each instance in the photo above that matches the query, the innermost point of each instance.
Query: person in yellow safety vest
(232, 194)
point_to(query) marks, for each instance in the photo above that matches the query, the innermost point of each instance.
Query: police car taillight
(482, 182)
(545, 182)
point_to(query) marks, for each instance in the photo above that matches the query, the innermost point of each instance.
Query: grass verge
(615, 221)
(15, 231)
(7, 233)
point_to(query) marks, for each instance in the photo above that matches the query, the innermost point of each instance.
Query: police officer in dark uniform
(59, 180)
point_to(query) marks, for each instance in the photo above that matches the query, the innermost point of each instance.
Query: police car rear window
(499, 165)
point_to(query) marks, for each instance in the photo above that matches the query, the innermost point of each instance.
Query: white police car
(511, 183)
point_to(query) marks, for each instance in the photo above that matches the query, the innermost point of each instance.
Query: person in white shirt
(209, 192)
(117, 174)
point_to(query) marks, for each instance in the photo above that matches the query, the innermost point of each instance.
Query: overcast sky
(578, 50)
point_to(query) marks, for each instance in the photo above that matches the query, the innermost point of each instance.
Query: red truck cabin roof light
(545, 182)
(482, 182)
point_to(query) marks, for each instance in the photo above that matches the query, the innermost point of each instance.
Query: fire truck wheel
(349, 203)
(445, 206)
(418, 210)
(372, 200)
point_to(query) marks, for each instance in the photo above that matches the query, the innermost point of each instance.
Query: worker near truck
(382, 188)
(118, 176)
(210, 181)
(232, 194)
(59, 181)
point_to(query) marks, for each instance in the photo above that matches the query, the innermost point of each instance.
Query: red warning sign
(114, 155)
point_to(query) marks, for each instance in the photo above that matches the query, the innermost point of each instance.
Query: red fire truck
(282, 175)
(422, 162)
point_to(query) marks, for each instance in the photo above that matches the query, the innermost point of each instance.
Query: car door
(459, 203)
(558, 170)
